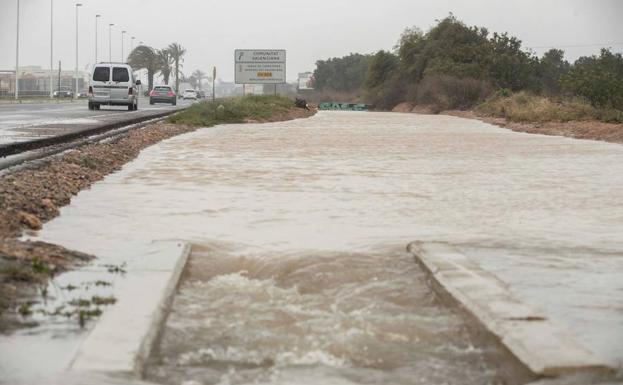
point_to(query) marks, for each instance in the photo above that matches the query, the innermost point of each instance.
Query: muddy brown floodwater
(299, 273)
(314, 318)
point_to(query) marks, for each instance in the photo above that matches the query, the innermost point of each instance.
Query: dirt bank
(32, 195)
(592, 129)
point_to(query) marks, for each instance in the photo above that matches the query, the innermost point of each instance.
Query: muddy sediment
(32, 195)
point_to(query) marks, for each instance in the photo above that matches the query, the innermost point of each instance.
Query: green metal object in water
(343, 106)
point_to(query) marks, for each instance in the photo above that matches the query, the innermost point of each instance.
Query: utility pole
(59, 76)
(96, 17)
(17, 57)
(110, 42)
(78, 5)
(122, 35)
(213, 84)
(51, 48)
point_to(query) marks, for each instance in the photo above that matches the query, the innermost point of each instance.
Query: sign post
(213, 83)
(260, 66)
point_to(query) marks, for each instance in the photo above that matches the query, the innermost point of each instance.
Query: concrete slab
(542, 346)
(122, 339)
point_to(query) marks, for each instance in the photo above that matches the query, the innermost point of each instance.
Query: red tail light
(130, 91)
(152, 93)
(170, 93)
(90, 90)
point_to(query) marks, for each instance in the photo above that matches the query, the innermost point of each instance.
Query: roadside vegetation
(233, 110)
(455, 66)
(524, 107)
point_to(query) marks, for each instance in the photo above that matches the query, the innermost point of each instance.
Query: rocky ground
(33, 194)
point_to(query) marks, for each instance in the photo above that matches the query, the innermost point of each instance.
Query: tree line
(456, 66)
(166, 61)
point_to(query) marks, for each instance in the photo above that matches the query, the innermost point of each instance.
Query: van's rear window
(120, 74)
(101, 74)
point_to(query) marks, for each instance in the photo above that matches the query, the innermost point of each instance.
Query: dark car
(162, 94)
(63, 93)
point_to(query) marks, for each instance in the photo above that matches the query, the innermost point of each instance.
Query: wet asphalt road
(20, 122)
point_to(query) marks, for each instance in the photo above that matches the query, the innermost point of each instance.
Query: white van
(113, 84)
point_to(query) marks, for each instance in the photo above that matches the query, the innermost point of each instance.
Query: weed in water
(40, 267)
(24, 309)
(116, 269)
(96, 300)
(84, 315)
(80, 302)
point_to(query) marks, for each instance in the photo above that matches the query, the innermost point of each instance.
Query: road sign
(306, 81)
(260, 66)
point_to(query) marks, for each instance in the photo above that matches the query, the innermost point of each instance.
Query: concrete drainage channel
(122, 340)
(537, 344)
(118, 347)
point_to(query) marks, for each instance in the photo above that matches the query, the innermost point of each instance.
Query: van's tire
(96, 106)
(174, 103)
(130, 107)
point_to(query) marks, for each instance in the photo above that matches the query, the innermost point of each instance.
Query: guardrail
(20, 147)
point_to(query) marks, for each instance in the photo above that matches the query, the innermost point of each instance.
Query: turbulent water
(299, 273)
(330, 318)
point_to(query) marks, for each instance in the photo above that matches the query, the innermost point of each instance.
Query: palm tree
(166, 61)
(145, 57)
(192, 80)
(177, 53)
(199, 75)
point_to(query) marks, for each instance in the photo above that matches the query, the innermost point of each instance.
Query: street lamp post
(132, 44)
(78, 5)
(96, 17)
(51, 48)
(17, 56)
(122, 38)
(110, 42)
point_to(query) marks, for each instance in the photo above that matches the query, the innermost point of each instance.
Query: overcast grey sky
(308, 30)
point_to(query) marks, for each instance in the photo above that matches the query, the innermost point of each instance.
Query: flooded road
(300, 229)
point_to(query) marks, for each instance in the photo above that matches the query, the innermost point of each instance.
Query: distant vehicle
(190, 94)
(162, 94)
(63, 93)
(113, 84)
(83, 94)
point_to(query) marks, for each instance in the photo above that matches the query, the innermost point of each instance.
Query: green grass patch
(234, 110)
(524, 107)
(21, 274)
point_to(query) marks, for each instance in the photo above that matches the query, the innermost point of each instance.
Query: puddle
(543, 213)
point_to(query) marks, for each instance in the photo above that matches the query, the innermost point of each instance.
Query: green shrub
(525, 107)
(234, 110)
(449, 93)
